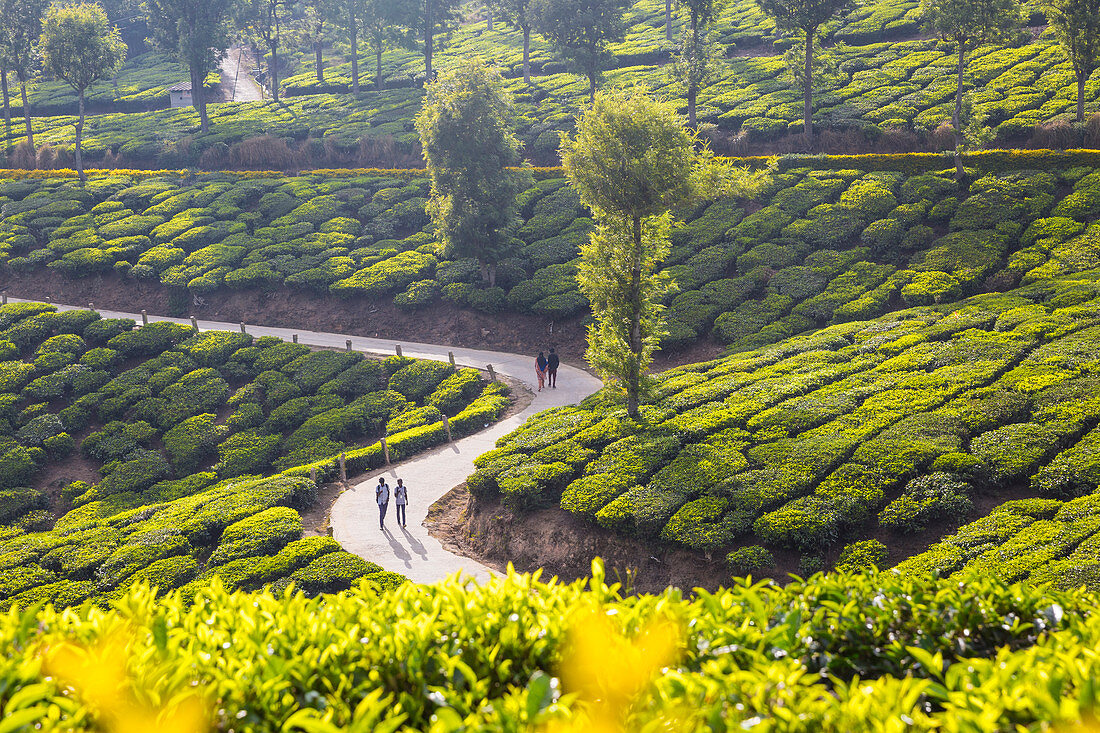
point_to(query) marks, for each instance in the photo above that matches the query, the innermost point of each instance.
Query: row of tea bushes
(1039, 541)
(245, 532)
(829, 653)
(893, 424)
(880, 87)
(817, 246)
(167, 415)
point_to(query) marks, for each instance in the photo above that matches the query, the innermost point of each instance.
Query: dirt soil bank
(441, 323)
(562, 545)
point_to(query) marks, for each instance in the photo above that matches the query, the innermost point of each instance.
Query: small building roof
(183, 86)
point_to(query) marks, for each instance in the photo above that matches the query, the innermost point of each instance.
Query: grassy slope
(182, 429)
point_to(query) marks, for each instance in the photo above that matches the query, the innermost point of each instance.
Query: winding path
(412, 551)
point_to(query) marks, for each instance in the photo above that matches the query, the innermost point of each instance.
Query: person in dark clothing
(540, 369)
(552, 363)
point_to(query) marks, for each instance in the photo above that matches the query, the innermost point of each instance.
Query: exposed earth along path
(411, 551)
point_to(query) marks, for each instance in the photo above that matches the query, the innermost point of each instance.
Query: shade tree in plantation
(519, 15)
(1076, 24)
(20, 28)
(386, 25)
(694, 64)
(79, 46)
(435, 18)
(196, 32)
(967, 24)
(470, 149)
(805, 17)
(581, 31)
(630, 161)
(314, 15)
(264, 22)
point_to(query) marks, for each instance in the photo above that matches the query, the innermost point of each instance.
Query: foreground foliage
(829, 653)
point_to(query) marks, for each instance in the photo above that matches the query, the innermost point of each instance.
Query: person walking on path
(382, 496)
(540, 369)
(552, 363)
(400, 499)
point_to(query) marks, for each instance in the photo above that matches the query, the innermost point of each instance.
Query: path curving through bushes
(411, 551)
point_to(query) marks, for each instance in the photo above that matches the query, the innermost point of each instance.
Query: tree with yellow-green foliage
(79, 46)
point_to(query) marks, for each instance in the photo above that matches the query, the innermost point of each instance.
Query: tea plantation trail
(354, 519)
(238, 84)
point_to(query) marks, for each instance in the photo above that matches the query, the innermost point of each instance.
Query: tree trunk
(318, 59)
(1080, 99)
(956, 119)
(378, 68)
(26, 112)
(693, 83)
(198, 96)
(807, 98)
(634, 376)
(79, 136)
(7, 102)
(527, 54)
(668, 20)
(488, 17)
(274, 68)
(428, 41)
(354, 58)
(591, 86)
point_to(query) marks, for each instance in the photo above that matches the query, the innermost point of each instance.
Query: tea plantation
(186, 431)
(820, 245)
(860, 652)
(888, 79)
(879, 428)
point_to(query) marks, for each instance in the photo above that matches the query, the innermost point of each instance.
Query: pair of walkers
(382, 497)
(546, 369)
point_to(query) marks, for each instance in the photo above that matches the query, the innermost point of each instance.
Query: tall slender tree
(7, 100)
(436, 18)
(968, 24)
(695, 62)
(20, 28)
(347, 15)
(80, 46)
(385, 25)
(807, 17)
(266, 22)
(471, 152)
(197, 33)
(582, 30)
(1076, 24)
(631, 161)
(518, 14)
(316, 12)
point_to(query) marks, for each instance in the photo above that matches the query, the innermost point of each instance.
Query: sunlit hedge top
(840, 652)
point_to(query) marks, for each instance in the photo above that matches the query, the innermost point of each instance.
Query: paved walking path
(237, 79)
(411, 551)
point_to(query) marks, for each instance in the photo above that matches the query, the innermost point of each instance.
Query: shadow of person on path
(415, 544)
(399, 550)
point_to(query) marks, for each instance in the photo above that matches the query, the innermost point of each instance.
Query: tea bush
(926, 652)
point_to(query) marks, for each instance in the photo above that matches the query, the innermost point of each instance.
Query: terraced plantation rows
(175, 433)
(815, 247)
(868, 429)
(884, 84)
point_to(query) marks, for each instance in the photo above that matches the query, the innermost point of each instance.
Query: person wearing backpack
(382, 496)
(400, 499)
